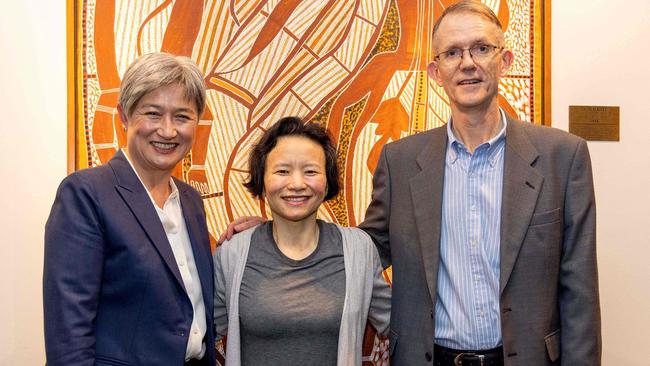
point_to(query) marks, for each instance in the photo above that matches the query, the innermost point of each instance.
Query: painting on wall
(357, 67)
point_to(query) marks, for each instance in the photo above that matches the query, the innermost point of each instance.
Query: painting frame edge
(546, 57)
(75, 122)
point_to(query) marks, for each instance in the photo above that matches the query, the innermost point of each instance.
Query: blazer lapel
(135, 196)
(202, 254)
(426, 193)
(521, 186)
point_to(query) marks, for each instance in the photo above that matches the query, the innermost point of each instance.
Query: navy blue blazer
(112, 291)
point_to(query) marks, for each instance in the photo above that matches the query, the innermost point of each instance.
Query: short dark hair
(291, 126)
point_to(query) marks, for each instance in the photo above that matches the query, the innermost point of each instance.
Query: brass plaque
(595, 123)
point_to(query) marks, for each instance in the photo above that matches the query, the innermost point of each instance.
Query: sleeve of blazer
(579, 301)
(72, 274)
(378, 212)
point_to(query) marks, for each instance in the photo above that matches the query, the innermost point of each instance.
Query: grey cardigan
(367, 295)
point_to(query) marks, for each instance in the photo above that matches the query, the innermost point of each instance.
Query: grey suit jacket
(549, 302)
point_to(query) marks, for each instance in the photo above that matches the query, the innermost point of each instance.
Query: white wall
(600, 57)
(33, 161)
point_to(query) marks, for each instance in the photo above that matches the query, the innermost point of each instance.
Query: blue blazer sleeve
(72, 274)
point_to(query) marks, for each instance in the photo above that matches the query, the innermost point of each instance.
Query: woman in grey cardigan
(297, 290)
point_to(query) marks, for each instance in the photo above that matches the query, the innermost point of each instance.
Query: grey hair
(468, 6)
(154, 70)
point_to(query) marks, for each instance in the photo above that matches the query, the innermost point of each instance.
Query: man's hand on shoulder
(239, 225)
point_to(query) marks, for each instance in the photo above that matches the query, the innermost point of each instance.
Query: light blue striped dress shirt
(467, 306)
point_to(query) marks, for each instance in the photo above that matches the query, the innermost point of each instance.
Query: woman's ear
(123, 118)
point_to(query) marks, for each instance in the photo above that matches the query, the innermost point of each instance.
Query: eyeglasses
(478, 52)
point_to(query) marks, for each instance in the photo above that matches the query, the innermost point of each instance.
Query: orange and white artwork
(357, 67)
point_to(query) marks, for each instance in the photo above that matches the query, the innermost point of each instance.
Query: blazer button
(181, 333)
(428, 356)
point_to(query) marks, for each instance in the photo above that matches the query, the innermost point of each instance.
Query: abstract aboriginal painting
(357, 67)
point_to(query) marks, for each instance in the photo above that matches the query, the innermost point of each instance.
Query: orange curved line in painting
(196, 174)
(226, 173)
(330, 212)
(183, 27)
(233, 15)
(146, 20)
(274, 23)
(504, 15)
(509, 109)
(263, 208)
(200, 147)
(439, 7)
(105, 50)
(392, 119)
(240, 93)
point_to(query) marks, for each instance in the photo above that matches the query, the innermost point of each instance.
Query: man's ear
(506, 61)
(434, 72)
(120, 111)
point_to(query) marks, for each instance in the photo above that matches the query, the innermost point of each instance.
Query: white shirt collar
(454, 143)
(172, 185)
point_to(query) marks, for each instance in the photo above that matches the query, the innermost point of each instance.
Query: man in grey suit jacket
(488, 222)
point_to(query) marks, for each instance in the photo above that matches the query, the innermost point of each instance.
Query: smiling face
(160, 131)
(295, 182)
(470, 84)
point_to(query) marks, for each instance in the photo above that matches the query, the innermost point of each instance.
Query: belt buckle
(458, 360)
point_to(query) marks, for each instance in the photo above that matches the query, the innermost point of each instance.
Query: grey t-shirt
(290, 310)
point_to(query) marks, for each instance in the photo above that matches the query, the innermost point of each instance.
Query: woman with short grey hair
(128, 275)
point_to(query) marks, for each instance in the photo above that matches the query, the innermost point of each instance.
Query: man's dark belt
(444, 356)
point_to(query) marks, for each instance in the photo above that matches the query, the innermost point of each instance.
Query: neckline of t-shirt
(296, 262)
